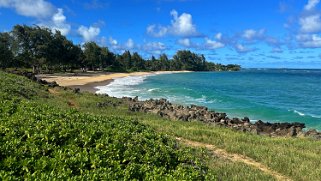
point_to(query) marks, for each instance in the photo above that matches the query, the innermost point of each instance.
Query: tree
(92, 54)
(107, 57)
(33, 45)
(164, 62)
(6, 56)
(126, 60)
(138, 62)
(40, 47)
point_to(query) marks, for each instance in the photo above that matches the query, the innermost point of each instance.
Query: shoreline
(88, 81)
(166, 109)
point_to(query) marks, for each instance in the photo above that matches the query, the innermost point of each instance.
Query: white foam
(299, 113)
(204, 99)
(121, 87)
(152, 90)
(315, 116)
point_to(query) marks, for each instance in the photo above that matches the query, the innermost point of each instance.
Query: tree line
(44, 50)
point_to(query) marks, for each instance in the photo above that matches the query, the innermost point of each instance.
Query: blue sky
(267, 33)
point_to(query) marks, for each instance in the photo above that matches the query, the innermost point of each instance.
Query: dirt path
(235, 158)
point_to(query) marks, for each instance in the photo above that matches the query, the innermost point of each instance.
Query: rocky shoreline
(165, 109)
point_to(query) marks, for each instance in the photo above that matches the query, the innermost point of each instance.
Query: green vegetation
(56, 133)
(40, 141)
(46, 51)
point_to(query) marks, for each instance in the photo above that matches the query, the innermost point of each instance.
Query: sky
(254, 34)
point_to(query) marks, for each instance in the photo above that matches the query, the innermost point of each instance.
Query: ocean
(273, 95)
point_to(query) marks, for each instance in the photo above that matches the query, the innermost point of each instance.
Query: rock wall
(171, 111)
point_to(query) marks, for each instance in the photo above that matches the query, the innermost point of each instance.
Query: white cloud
(152, 46)
(309, 26)
(251, 34)
(130, 44)
(311, 23)
(311, 5)
(180, 26)
(88, 34)
(112, 41)
(59, 22)
(42, 10)
(31, 8)
(218, 36)
(309, 40)
(114, 45)
(156, 31)
(242, 49)
(186, 42)
(212, 44)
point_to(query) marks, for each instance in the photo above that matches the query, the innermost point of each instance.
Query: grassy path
(235, 158)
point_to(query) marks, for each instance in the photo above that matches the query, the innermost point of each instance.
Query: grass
(296, 158)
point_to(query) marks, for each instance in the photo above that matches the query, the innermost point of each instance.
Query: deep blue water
(273, 95)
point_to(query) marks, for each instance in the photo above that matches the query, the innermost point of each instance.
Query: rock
(246, 119)
(200, 113)
(52, 84)
(292, 132)
(236, 121)
(76, 90)
(135, 99)
(254, 131)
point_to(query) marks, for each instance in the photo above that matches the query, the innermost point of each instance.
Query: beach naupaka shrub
(38, 141)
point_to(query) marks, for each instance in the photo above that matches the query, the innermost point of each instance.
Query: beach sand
(89, 80)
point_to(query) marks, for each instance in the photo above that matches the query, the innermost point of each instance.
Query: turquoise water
(269, 95)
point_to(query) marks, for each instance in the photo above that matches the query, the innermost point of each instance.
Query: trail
(235, 158)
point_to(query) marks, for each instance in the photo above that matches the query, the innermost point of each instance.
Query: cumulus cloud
(154, 46)
(310, 23)
(59, 22)
(309, 40)
(88, 33)
(148, 48)
(218, 36)
(208, 44)
(112, 41)
(309, 20)
(181, 25)
(31, 8)
(130, 44)
(157, 30)
(311, 4)
(186, 42)
(212, 44)
(44, 11)
(114, 45)
(242, 49)
(251, 34)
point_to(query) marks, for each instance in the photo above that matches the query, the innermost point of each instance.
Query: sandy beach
(89, 80)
